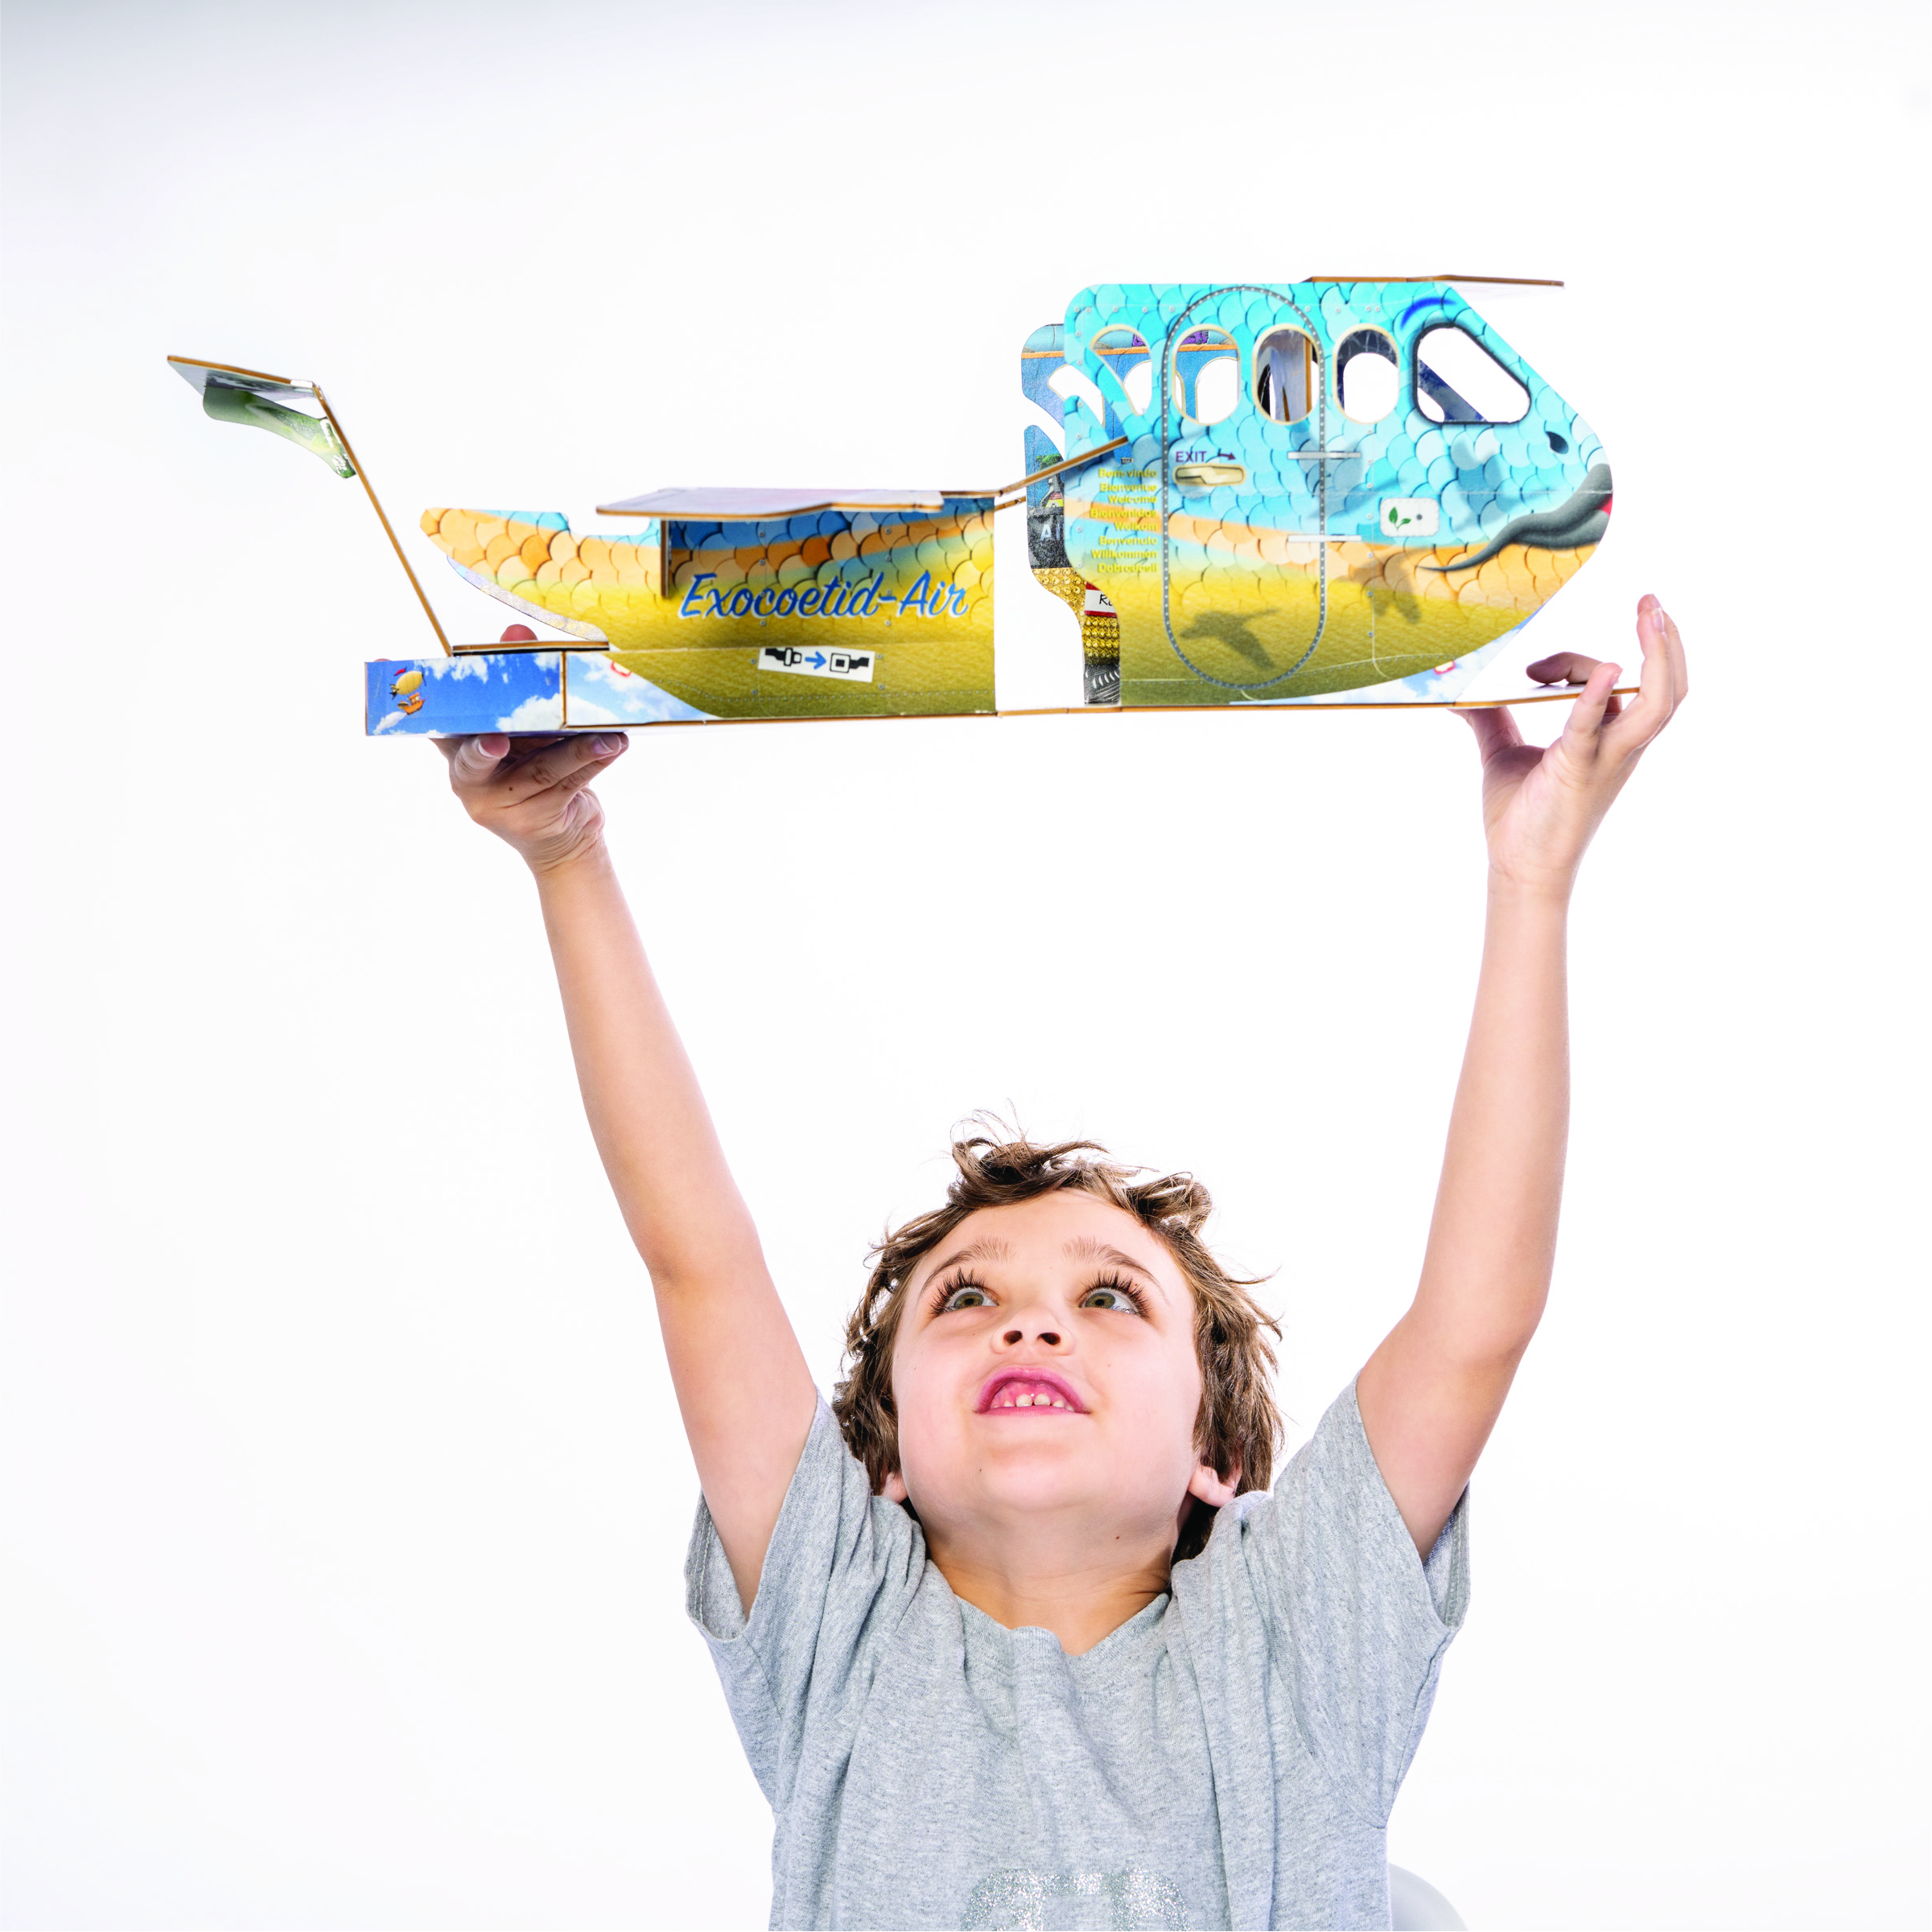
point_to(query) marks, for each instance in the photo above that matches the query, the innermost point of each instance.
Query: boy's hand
(532, 793)
(1542, 806)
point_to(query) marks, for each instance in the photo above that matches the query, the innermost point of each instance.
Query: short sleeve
(842, 1566)
(1357, 1623)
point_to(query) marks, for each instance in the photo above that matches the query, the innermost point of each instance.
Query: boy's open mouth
(1029, 1388)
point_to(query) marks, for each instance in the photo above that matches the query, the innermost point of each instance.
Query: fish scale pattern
(1491, 472)
(690, 606)
(1229, 594)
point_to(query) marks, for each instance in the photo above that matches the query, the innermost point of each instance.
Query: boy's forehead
(1064, 1226)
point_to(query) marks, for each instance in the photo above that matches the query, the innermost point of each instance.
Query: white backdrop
(344, 1500)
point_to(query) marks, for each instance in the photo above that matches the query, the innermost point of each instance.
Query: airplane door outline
(1320, 456)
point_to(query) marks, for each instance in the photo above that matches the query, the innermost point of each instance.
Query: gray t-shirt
(1229, 1757)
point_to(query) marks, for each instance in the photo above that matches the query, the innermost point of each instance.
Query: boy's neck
(1042, 1580)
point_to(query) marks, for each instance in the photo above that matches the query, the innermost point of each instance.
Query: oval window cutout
(1458, 380)
(1285, 375)
(1067, 383)
(1368, 380)
(1207, 375)
(1126, 354)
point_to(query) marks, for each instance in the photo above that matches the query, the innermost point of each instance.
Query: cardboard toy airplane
(1331, 492)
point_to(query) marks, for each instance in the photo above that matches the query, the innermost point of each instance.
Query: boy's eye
(966, 1295)
(1112, 1295)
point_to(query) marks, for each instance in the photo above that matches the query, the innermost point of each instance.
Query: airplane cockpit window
(1285, 375)
(1126, 354)
(1458, 380)
(1207, 375)
(1367, 377)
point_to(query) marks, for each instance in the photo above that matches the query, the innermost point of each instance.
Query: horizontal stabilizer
(738, 506)
(743, 505)
(276, 388)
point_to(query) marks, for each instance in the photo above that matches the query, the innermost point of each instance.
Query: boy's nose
(1014, 1336)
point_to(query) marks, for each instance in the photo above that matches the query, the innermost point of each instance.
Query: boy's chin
(1039, 1480)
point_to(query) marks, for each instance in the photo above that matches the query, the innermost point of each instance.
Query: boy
(1020, 1637)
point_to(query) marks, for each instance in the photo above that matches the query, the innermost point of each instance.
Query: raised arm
(743, 1389)
(1430, 1394)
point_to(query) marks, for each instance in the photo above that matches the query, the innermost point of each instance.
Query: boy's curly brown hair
(1239, 1426)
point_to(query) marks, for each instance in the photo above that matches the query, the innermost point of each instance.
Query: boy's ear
(1211, 1487)
(894, 1489)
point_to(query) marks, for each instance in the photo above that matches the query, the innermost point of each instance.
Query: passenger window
(1367, 379)
(1207, 375)
(1067, 383)
(1126, 354)
(1458, 380)
(1285, 375)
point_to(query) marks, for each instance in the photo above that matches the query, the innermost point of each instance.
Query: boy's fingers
(1680, 681)
(1586, 716)
(560, 761)
(1659, 681)
(473, 761)
(1564, 667)
(595, 768)
(1657, 690)
(588, 757)
(1495, 729)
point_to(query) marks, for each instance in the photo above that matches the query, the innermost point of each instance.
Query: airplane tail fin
(246, 396)
(230, 395)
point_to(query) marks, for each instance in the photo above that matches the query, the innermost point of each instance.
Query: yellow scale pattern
(1099, 630)
(615, 586)
(1247, 620)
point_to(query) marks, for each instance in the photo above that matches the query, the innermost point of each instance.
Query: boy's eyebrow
(992, 1248)
(1084, 1248)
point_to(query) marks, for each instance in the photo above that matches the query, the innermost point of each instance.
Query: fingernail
(606, 743)
(1657, 619)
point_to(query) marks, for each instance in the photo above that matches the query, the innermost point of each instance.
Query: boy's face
(1045, 1364)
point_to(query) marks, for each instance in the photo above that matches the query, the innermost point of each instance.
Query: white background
(344, 1501)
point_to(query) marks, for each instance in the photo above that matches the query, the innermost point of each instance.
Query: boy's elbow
(685, 1269)
(1477, 1342)
(1481, 1332)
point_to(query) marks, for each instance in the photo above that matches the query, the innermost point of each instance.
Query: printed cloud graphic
(538, 712)
(604, 693)
(449, 669)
